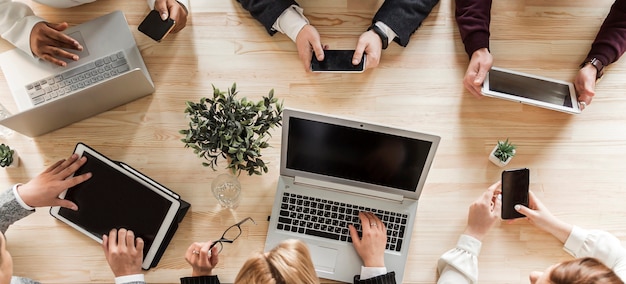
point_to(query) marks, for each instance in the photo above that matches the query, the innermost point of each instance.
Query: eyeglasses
(230, 235)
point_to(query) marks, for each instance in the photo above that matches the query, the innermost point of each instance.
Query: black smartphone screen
(337, 61)
(154, 27)
(514, 191)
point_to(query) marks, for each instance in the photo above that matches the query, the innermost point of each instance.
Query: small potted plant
(8, 156)
(502, 153)
(234, 129)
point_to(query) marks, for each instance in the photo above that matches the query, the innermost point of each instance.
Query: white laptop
(109, 73)
(531, 89)
(331, 168)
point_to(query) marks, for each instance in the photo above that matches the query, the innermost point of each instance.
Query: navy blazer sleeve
(389, 278)
(404, 16)
(266, 11)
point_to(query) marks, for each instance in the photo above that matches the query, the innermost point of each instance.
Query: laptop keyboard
(78, 78)
(330, 219)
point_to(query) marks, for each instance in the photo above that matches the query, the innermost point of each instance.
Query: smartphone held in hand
(154, 27)
(338, 61)
(515, 185)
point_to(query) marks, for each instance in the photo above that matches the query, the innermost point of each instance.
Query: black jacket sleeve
(266, 11)
(200, 280)
(389, 278)
(404, 16)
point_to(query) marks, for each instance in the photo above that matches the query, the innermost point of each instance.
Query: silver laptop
(331, 168)
(109, 73)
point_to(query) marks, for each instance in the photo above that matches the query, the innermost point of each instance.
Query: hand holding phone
(339, 61)
(154, 27)
(515, 185)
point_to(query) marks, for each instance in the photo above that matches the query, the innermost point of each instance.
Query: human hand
(123, 252)
(370, 44)
(484, 212)
(307, 42)
(479, 65)
(174, 10)
(371, 246)
(44, 189)
(47, 39)
(201, 259)
(585, 84)
(541, 217)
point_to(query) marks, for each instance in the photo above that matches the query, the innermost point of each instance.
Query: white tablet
(531, 89)
(115, 197)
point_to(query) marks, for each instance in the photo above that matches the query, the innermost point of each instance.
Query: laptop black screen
(110, 199)
(356, 154)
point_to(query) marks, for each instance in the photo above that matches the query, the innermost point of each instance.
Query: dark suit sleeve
(389, 278)
(610, 43)
(266, 11)
(404, 16)
(200, 280)
(473, 18)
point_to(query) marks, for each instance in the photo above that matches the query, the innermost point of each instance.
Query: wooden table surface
(576, 161)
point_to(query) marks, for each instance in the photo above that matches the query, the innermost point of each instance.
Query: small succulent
(504, 150)
(6, 155)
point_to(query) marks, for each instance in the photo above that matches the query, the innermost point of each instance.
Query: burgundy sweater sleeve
(473, 17)
(610, 43)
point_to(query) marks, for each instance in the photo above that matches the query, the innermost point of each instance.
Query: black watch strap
(381, 34)
(597, 64)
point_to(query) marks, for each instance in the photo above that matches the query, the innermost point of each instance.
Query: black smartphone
(514, 191)
(154, 27)
(337, 61)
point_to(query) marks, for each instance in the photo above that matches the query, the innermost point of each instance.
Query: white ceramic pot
(16, 160)
(496, 161)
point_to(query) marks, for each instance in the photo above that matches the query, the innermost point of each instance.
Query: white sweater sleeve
(598, 244)
(460, 265)
(16, 23)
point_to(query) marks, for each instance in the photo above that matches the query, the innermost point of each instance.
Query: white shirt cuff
(388, 31)
(371, 272)
(129, 278)
(291, 21)
(18, 198)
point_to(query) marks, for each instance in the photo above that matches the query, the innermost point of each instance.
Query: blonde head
(289, 262)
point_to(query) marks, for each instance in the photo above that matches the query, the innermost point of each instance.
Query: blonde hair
(585, 270)
(289, 262)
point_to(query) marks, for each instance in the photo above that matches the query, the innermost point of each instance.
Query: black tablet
(116, 196)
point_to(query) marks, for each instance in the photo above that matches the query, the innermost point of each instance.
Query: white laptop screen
(357, 154)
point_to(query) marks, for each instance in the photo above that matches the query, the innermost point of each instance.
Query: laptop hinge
(348, 188)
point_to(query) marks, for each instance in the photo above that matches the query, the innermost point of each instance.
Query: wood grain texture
(576, 162)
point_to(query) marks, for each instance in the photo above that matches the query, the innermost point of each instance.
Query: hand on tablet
(201, 259)
(585, 84)
(45, 188)
(123, 252)
(479, 65)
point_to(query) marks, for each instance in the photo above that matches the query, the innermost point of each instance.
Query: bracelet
(381, 34)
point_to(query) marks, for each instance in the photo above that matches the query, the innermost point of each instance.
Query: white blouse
(460, 265)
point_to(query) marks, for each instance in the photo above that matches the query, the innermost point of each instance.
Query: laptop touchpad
(324, 258)
(81, 54)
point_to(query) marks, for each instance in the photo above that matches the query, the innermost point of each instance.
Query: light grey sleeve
(22, 280)
(10, 210)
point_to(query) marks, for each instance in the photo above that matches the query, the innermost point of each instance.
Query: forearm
(10, 210)
(404, 16)
(473, 18)
(610, 42)
(266, 11)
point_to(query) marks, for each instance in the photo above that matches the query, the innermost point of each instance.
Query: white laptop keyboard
(77, 78)
(330, 219)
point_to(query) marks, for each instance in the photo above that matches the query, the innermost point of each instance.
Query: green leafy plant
(231, 128)
(504, 150)
(6, 155)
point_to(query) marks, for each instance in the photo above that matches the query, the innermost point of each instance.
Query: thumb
(524, 210)
(355, 235)
(66, 204)
(161, 7)
(59, 27)
(480, 76)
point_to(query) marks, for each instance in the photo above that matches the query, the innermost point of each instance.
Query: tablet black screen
(530, 88)
(110, 199)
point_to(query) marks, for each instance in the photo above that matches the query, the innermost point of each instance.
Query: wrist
(374, 262)
(201, 272)
(474, 234)
(594, 63)
(384, 39)
(481, 52)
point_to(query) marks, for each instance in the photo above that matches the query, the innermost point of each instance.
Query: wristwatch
(597, 64)
(381, 34)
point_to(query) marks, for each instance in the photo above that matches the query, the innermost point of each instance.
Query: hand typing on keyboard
(371, 245)
(47, 39)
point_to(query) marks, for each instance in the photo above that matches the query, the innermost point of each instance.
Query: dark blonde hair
(289, 262)
(585, 270)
